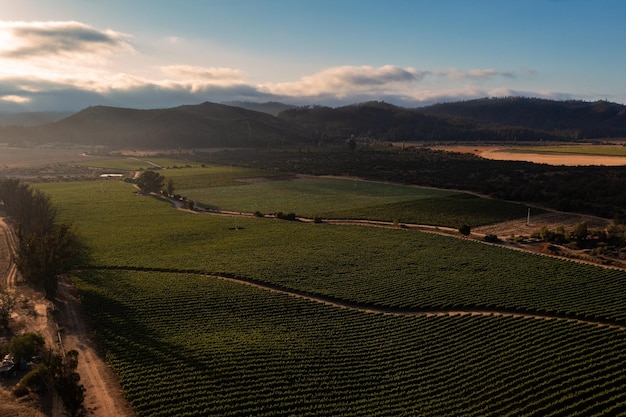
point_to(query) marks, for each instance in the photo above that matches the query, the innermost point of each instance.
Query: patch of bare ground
(12, 407)
(552, 219)
(501, 154)
(514, 232)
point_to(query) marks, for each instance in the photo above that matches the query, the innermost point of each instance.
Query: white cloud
(30, 40)
(210, 74)
(345, 80)
(14, 98)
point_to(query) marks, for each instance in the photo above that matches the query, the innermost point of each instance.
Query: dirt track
(103, 395)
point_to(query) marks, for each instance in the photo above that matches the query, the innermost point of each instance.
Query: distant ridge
(190, 126)
(383, 121)
(271, 107)
(31, 118)
(210, 125)
(596, 119)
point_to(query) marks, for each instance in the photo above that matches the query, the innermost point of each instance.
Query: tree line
(597, 190)
(46, 248)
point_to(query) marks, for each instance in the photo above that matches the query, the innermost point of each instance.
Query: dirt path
(103, 395)
(417, 312)
(8, 279)
(33, 313)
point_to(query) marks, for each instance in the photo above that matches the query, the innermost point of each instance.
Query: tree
(465, 230)
(42, 258)
(170, 187)
(26, 346)
(67, 381)
(580, 232)
(150, 181)
(7, 303)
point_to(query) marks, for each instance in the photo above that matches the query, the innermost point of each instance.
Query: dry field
(500, 153)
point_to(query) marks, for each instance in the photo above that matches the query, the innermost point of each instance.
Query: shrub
(491, 238)
(465, 230)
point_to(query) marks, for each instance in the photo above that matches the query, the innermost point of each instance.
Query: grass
(343, 198)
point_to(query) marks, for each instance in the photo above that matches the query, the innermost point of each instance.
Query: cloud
(183, 84)
(211, 74)
(456, 74)
(27, 40)
(348, 79)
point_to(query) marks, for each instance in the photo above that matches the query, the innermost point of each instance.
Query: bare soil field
(499, 153)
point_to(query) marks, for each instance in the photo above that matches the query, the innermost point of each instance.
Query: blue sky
(71, 54)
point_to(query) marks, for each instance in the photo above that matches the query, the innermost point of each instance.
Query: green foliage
(150, 181)
(580, 232)
(7, 303)
(66, 381)
(26, 346)
(45, 247)
(491, 238)
(465, 230)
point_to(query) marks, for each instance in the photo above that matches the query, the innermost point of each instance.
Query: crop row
(201, 346)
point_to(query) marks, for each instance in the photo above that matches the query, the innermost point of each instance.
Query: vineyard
(197, 346)
(184, 343)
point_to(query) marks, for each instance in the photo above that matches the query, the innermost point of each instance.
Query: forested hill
(194, 126)
(599, 119)
(383, 121)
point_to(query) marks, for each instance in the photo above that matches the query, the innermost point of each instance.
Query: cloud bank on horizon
(70, 65)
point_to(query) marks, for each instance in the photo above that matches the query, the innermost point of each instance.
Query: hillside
(192, 126)
(271, 107)
(218, 125)
(597, 119)
(383, 121)
(31, 118)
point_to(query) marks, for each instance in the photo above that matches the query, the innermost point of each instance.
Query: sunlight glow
(15, 99)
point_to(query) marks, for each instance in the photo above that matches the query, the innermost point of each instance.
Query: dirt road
(33, 313)
(103, 395)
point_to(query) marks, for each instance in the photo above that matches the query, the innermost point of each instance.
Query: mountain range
(220, 125)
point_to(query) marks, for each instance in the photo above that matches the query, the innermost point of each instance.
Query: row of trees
(46, 248)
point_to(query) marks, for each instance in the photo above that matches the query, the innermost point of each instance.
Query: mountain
(271, 107)
(384, 121)
(193, 126)
(586, 119)
(31, 118)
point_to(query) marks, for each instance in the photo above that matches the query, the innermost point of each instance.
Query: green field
(187, 344)
(195, 346)
(598, 150)
(332, 198)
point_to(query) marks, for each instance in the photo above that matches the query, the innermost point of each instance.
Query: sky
(66, 55)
